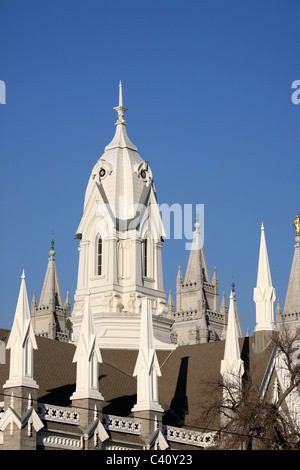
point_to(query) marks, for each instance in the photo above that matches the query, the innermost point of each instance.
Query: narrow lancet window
(99, 257)
(145, 257)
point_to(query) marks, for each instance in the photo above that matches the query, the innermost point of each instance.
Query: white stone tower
(120, 235)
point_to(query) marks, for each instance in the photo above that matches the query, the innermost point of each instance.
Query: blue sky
(208, 90)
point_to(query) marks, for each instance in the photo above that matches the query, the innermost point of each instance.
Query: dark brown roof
(182, 388)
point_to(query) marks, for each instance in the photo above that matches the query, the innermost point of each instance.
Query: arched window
(99, 256)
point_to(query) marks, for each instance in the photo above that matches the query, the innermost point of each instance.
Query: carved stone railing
(58, 413)
(187, 436)
(117, 423)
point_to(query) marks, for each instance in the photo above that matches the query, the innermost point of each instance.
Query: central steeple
(120, 235)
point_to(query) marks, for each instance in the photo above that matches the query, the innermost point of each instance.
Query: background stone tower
(197, 318)
(50, 317)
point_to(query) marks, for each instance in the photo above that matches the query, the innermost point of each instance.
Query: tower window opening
(145, 257)
(99, 257)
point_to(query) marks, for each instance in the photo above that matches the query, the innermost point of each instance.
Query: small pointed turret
(34, 301)
(87, 356)
(237, 317)
(51, 294)
(215, 277)
(21, 343)
(170, 305)
(278, 312)
(232, 363)
(197, 267)
(264, 297)
(147, 369)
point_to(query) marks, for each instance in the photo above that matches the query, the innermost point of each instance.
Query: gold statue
(297, 225)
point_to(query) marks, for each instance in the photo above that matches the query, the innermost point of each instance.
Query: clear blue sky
(208, 90)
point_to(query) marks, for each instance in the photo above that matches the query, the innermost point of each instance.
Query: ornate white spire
(264, 293)
(21, 343)
(87, 356)
(147, 369)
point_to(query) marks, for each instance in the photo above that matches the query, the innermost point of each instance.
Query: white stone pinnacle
(232, 363)
(264, 293)
(21, 343)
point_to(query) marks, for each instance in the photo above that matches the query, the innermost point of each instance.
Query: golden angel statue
(297, 225)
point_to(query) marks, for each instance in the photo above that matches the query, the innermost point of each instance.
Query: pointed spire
(264, 293)
(292, 301)
(170, 305)
(232, 363)
(51, 293)
(147, 369)
(223, 306)
(34, 301)
(170, 301)
(215, 277)
(197, 266)
(21, 342)
(263, 273)
(87, 356)
(67, 302)
(237, 317)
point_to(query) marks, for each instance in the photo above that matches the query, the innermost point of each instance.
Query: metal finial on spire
(232, 285)
(52, 252)
(120, 109)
